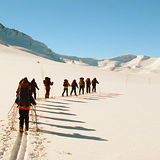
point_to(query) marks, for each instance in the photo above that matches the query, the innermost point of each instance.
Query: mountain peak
(2, 26)
(13, 37)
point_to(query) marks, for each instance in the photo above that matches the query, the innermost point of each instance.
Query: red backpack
(47, 81)
(74, 83)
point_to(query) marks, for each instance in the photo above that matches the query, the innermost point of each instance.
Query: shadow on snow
(74, 135)
(50, 107)
(40, 106)
(61, 119)
(67, 127)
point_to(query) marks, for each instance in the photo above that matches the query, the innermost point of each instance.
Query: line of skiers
(26, 89)
(74, 85)
(47, 83)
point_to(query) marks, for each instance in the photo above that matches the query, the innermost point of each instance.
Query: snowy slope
(15, 38)
(119, 122)
(122, 63)
(129, 62)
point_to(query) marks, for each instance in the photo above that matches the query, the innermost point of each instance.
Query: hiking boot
(26, 129)
(20, 129)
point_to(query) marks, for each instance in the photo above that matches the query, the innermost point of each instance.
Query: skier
(74, 85)
(88, 83)
(81, 85)
(65, 85)
(94, 81)
(47, 82)
(33, 87)
(25, 78)
(24, 100)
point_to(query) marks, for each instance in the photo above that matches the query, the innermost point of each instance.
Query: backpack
(74, 83)
(47, 81)
(65, 82)
(81, 82)
(88, 81)
(24, 95)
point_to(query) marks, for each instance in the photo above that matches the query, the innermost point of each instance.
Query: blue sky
(88, 28)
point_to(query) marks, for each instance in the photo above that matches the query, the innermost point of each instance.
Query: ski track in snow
(23, 148)
(15, 146)
(20, 146)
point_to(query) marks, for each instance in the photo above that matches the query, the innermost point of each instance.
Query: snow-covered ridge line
(125, 62)
(131, 62)
(16, 38)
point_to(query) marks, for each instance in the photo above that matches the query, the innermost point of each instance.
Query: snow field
(120, 122)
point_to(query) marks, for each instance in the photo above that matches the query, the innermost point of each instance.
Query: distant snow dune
(125, 62)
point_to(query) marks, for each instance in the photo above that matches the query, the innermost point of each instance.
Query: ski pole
(12, 107)
(42, 73)
(52, 92)
(99, 89)
(38, 94)
(14, 118)
(34, 109)
(32, 114)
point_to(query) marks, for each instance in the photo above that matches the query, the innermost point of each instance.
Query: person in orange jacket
(81, 85)
(65, 85)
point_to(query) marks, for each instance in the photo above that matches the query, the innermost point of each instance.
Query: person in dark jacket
(33, 87)
(24, 104)
(81, 85)
(47, 82)
(94, 82)
(88, 85)
(74, 85)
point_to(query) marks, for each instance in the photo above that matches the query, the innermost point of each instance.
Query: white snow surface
(119, 122)
(127, 62)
